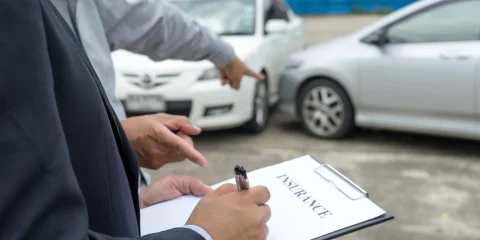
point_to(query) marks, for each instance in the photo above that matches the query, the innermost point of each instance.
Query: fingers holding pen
(265, 212)
(246, 209)
(258, 195)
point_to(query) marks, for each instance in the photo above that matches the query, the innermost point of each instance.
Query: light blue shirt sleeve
(199, 230)
(161, 30)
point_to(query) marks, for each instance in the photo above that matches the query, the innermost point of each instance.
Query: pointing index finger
(186, 149)
(251, 73)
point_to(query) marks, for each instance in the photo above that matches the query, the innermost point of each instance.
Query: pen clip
(340, 182)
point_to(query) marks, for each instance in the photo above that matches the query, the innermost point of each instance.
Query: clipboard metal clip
(340, 182)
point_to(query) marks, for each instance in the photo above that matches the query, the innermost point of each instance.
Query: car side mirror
(276, 26)
(378, 38)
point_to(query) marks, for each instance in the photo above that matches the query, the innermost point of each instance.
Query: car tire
(325, 110)
(259, 121)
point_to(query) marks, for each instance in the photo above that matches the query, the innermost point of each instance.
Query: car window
(224, 17)
(457, 21)
(277, 10)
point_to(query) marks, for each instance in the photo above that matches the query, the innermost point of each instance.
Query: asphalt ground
(430, 184)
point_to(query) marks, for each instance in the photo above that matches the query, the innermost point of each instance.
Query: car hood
(243, 47)
(337, 46)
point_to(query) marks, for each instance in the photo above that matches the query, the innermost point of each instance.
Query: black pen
(241, 178)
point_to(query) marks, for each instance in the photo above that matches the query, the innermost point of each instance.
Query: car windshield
(224, 17)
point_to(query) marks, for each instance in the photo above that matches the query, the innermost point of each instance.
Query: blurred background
(386, 91)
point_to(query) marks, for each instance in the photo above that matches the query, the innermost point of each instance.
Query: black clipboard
(351, 190)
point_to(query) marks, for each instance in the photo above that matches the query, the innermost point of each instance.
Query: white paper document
(304, 205)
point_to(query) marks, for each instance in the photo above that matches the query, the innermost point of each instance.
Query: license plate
(145, 103)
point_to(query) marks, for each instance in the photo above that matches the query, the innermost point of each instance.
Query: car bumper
(288, 88)
(207, 104)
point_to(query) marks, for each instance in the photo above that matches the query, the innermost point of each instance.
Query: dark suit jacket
(67, 169)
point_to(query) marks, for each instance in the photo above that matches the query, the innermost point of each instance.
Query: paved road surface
(430, 184)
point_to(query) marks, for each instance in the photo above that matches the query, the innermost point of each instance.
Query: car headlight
(293, 63)
(209, 74)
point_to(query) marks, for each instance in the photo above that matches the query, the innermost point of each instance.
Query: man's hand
(235, 215)
(233, 73)
(155, 144)
(171, 187)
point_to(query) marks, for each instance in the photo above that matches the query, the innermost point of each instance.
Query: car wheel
(325, 110)
(259, 120)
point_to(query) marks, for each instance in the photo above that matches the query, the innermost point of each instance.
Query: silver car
(415, 70)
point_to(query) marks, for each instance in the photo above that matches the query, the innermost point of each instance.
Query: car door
(293, 35)
(297, 33)
(424, 76)
(277, 43)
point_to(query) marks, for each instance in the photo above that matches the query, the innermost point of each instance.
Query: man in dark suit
(68, 170)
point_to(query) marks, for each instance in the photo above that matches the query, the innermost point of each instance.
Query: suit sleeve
(40, 197)
(160, 30)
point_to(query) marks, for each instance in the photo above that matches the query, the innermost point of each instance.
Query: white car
(192, 88)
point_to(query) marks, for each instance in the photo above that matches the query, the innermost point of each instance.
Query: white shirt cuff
(199, 230)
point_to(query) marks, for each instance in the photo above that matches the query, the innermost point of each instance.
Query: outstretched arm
(160, 30)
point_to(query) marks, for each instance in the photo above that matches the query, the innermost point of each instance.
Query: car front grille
(149, 81)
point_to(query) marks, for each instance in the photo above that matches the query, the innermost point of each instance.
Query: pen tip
(240, 170)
